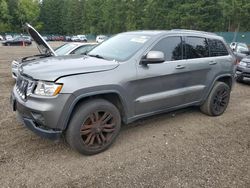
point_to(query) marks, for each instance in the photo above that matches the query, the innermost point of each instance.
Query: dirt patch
(178, 149)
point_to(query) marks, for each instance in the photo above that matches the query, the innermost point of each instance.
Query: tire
(239, 78)
(88, 136)
(217, 100)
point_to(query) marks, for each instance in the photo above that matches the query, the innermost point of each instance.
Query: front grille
(22, 86)
(248, 65)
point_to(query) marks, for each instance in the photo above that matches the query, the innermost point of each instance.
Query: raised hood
(42, 45)
(52, 68)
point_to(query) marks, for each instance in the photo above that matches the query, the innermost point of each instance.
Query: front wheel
(93, 127)
(217, 100)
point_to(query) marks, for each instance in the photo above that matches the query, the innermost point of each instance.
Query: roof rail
(187, 30)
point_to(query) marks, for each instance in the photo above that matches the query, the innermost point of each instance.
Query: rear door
(221, 56)
(200, 65)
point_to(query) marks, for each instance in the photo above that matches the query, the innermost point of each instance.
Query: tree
(72, 17)
(114, 16)
(51, 16)
(4, 16)
(27, 11)
(235, 14)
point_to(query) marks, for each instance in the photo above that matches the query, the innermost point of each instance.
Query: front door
(159, 84)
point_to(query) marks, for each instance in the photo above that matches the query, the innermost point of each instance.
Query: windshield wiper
(96, 55)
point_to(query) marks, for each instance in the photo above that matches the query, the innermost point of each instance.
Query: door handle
(180, 67)
(212, 63)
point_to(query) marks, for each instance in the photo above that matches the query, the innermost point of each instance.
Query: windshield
(64, 49)
(120, 47)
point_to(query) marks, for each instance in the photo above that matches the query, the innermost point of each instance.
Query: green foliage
(27, 11)
(52, 16)
(113, 16)
(4, 16)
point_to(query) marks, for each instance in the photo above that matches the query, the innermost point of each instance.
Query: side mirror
(153, 57)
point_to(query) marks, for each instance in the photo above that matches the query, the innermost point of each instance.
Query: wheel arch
(226, 78)
(112, 96)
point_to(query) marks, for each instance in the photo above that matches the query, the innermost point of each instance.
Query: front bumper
(40, 114)
(14, 68)
(14, 74)
(243, 72)
(45, 133)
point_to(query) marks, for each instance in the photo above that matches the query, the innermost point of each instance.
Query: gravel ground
(180, 149)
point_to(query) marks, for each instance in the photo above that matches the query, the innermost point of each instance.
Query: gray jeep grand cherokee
(128, 77)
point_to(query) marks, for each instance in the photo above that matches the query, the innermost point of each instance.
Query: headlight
(14, 64)
(243, 64)
(47, 88)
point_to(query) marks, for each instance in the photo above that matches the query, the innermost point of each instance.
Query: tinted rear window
(217, 48)
(196, 47)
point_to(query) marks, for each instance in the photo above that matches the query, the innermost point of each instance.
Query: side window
(171, 47)
(196, 47)
(217, 48)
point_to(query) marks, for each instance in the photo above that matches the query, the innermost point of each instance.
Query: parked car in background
(45, 38)
(27, 37)
(240, 50)
(57, 38)
(74, 48)
(67, 38)
(238, 46)
(18, 41)
(65, 49)
(82, 38)
(233, 45)
(8, 37)
(130, 76)
(75, 39)
(49, 37)
(1, 37)
(101, 38)
(243, 69)
(16, 36)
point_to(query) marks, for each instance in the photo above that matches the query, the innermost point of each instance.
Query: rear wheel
(93, 127)
(217, 100)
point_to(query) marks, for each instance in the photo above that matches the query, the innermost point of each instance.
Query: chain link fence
(236, 37)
